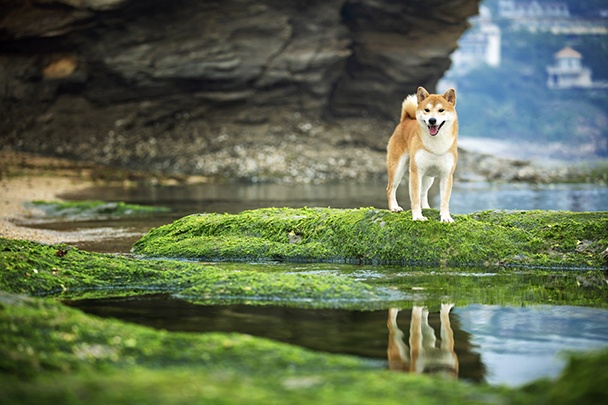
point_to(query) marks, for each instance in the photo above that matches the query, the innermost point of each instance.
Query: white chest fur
(432, 165)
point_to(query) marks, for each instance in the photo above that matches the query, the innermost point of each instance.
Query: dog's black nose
(432, 121)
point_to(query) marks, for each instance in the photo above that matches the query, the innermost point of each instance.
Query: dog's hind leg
(396, 169)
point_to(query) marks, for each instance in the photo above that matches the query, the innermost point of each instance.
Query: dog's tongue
(433, 129)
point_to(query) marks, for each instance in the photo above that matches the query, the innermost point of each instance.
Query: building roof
(568, 52)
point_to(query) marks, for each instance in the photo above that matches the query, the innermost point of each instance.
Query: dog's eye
(441, 110)
(427, 110)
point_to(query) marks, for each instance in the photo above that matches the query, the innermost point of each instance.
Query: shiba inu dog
(426, 139)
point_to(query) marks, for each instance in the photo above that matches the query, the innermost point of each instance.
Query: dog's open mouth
(434, 129)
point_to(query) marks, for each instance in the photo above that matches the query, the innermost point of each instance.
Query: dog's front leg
(447, 335)
(416, 338)
(398, 352)
(427, 182)
(415, 180)
(445, 189)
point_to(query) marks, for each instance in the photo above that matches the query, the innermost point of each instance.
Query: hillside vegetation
(513, 102)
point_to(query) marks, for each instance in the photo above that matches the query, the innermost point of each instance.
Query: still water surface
(233, 198)
(491, 343)
(496, 344)
(466, 197)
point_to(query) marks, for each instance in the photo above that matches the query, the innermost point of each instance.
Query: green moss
(40, 335)
(500, 287)
(49, 352)
(93, 209)
(52, 353)
(36, 269)
(33, 268)
(583, 381)
(368, 235)
(279, 287)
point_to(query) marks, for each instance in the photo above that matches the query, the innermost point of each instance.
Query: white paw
(419, 217)
(396, 209)
(446, 218)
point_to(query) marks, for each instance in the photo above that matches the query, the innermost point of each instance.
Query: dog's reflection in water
(423, 355)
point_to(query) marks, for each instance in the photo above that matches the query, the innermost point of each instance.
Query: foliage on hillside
(513, 102)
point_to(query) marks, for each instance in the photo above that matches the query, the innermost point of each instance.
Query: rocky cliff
(289, 90)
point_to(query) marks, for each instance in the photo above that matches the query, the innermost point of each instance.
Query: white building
(480, 44)
(568, 71)
(513, 9)
(534, 16)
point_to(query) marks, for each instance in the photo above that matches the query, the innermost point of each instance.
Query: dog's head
(436, 110)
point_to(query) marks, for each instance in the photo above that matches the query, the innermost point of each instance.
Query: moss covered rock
(35, 269)
(50, 353)
(88, 209)
(368, 235)
(58, 270)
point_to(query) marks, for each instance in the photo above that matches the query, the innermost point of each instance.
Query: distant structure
(479, 45)
(514, 9)
(534, 16)
(568, 72)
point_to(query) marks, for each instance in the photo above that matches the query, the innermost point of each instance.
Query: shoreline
(26, 177)
(16, 191)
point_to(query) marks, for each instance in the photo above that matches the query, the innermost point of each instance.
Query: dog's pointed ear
(421, 94)
(450, 95)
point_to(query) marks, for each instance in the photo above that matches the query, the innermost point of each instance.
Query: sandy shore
(26, 177)
(16, 191)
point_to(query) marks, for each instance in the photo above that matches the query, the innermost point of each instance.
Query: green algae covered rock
(56, 270)
(90, 209)
(53, 353)
(367, 235)
(61, 271)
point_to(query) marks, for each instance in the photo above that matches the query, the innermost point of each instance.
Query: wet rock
(367, 235)
(177, 86)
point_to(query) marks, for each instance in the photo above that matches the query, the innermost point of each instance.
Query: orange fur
(425, 141)
(422, 355)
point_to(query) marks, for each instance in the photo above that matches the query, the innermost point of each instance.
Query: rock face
(265, 89)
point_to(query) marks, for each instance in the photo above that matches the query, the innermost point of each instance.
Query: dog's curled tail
(408, 108)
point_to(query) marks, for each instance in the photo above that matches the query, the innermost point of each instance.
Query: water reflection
(352, 332)
(496, 344)
(422, 356)
(519, 345)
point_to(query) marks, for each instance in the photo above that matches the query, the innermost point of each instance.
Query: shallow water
(233, 198)
(495, 344)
